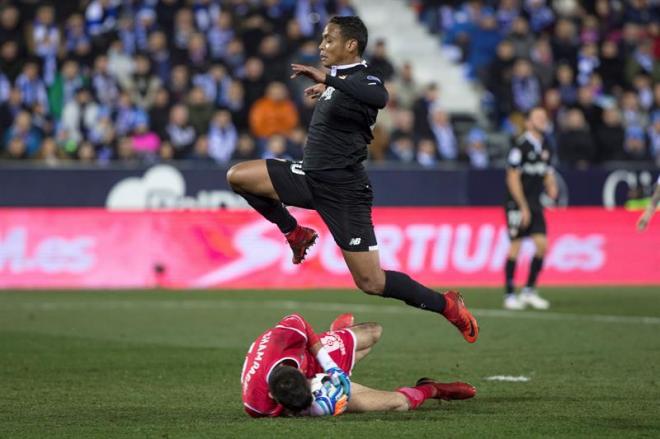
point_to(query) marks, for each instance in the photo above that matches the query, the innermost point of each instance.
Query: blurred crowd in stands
(594, 65)
(144, 81)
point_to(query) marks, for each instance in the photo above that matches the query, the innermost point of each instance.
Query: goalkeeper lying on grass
(280, 363)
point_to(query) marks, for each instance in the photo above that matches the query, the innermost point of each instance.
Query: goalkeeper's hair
(290, 388)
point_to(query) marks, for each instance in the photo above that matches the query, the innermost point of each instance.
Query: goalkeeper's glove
(340, 379)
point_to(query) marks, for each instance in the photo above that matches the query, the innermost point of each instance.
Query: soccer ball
(329, 400)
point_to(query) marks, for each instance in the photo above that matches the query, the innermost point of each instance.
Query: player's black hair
(352, 28)
(290, 388)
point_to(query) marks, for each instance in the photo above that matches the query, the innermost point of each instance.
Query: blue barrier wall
(184, 187)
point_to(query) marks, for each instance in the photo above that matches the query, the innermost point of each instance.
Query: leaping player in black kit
(528, 174)
(331, 178)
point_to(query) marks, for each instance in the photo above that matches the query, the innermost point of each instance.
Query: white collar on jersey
(334, 69)
(538, 146)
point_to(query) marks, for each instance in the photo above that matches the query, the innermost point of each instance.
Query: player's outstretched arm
(645, 218)
(368, 89)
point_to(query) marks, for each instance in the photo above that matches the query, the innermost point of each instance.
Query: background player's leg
(251, 181)
(510, 299)
(364, 399)
(529, 294)
(541, 244)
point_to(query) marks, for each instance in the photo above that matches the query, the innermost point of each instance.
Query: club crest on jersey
(327, 94)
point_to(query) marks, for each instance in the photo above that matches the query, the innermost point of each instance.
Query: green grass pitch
(167, 364)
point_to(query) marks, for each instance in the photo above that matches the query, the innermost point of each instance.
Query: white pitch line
(508, 378)
(291, 305)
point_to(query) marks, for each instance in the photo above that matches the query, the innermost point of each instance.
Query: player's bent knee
(234, 177)
(370, 285)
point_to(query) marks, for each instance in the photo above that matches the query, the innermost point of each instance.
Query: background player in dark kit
(528, 175)
(331, 178)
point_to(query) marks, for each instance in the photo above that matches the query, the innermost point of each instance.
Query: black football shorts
(342, 197)
(536, 225)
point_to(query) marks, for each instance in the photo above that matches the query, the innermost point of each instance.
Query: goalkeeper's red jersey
(288, 341)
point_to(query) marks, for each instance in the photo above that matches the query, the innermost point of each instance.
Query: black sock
(534, 270)
(510, 271)
(400, 286)
(273, 210)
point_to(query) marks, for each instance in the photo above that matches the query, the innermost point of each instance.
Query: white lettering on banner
(463, 247)
(440, 260)
(51, 255)
(390, 240)
(461, 257)
(163, 187)
(419, 235)
(571, 252)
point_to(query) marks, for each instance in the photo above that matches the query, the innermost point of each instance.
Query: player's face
(334, 49)
(538, 121)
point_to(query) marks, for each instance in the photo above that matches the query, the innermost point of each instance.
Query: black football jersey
(340, 129)
(532, 158)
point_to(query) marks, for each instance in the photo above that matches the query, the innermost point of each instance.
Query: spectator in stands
(80, 115)
(296, 143)
(654, 137)
(64, 88)
(483, 42)
(200, 152)
(22, 140)
(576, 146)
(222, 137)
(33, 89)
(246, 149)
(610, 137)
(635, 144)
(50, 154)
(200, 110)
(543, 63)
(611, 66)
(525, 87)
(9, 59)
(45, 40)
(144, 141)
(220, 34)
(273, 114)
(254, 84)
(179, 83)
(476, 149)
(142, 85)
(11, 107)
(159, 55)
(10, 26)
(104, 85)
(521, 38)
(402, 149)
(77, 43)
(633, 116)
(565, 43)
(565, 84)
(180, 133)
(443, 133)
(426, 153)
(422, 108)
(276, 148)
(270, 53)
(379, 61)
(407, 88)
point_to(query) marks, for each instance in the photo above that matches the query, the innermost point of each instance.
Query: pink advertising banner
(94, 248)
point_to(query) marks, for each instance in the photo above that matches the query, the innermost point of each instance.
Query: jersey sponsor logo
(355, 241)
(296, 168)
(327, 94)
(535, 168)
(333, 342)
